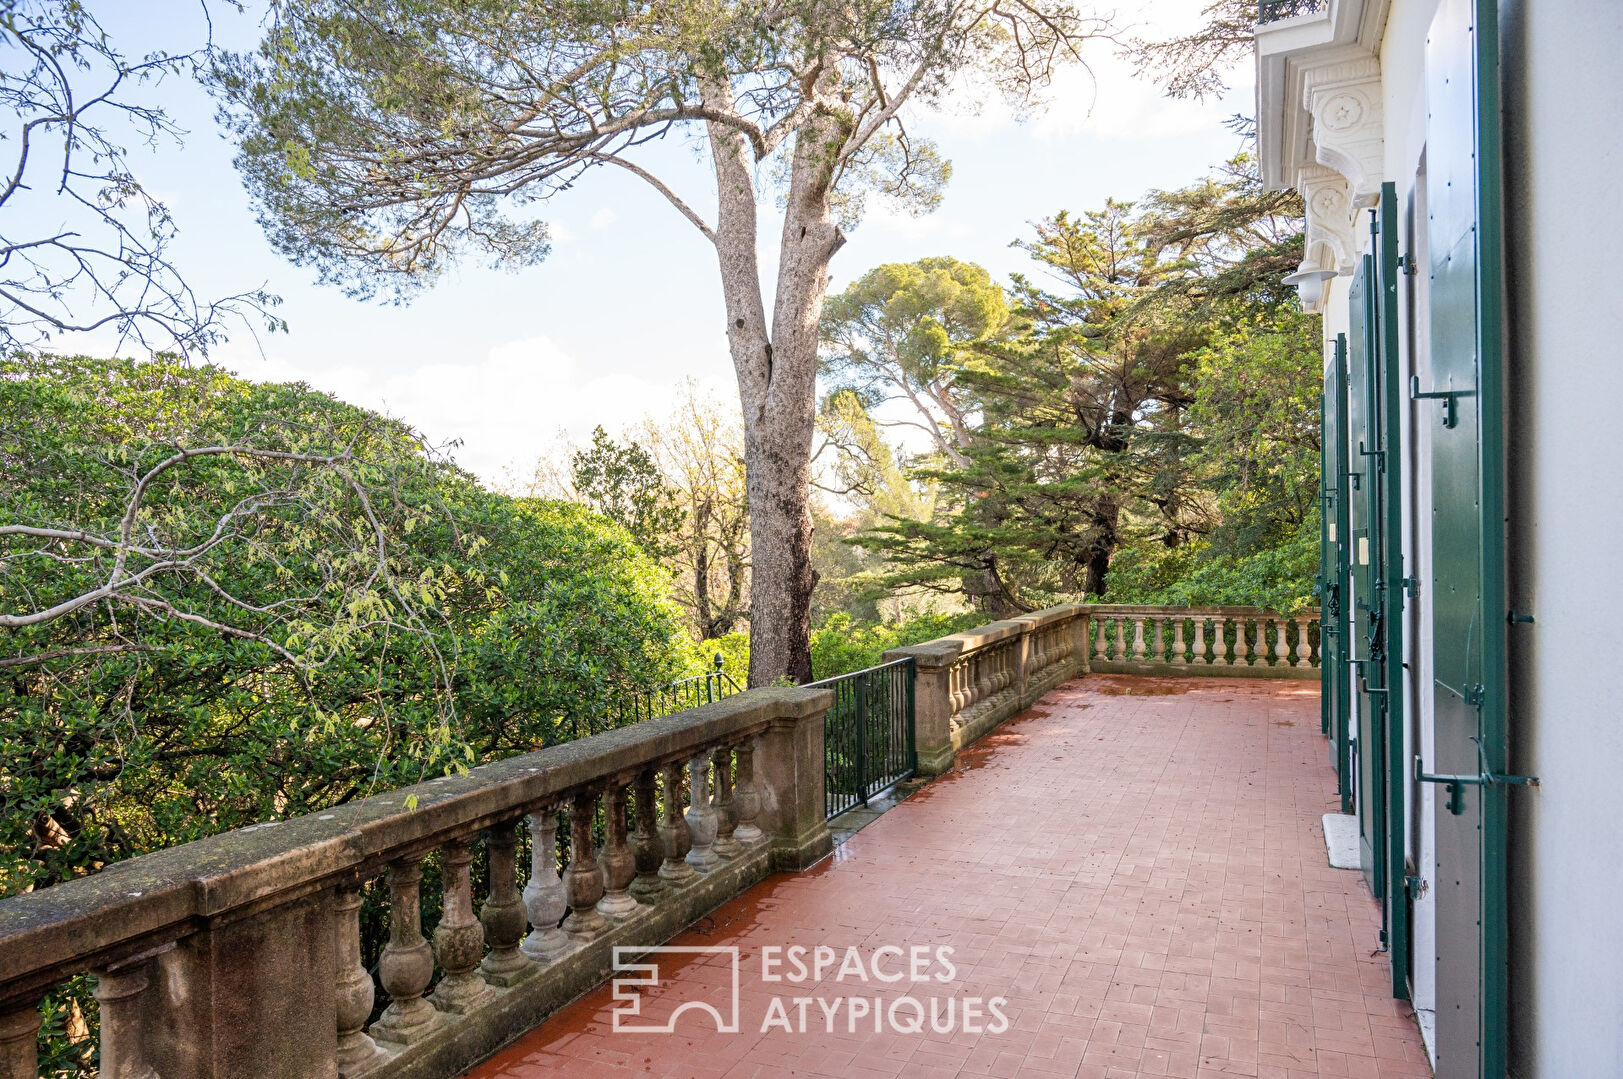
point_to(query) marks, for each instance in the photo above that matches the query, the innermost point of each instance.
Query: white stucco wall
(1564, 143)
(1564, 146)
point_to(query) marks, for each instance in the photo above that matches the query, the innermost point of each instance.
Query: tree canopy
(383, 139)
(1157, 404)
(323, 611)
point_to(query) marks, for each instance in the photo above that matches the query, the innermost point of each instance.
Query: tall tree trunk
(1105, 518)
(777, 382)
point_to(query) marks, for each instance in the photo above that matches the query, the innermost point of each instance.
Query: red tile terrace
(1132, 862)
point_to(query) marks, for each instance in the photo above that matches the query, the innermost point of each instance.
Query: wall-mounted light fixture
(1309, 282)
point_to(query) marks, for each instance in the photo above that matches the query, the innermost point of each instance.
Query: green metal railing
(868, 735)
(1274, 10)
(706, 688)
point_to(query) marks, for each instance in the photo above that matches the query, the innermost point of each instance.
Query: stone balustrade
(1236, 641)
(240, 956)
(968, 683)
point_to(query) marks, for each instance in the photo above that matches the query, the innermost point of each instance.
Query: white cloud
(505, 409)
(604, 218)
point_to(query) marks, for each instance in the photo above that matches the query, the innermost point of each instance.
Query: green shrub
(361, 627)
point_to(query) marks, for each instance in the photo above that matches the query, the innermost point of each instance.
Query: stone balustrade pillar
(727, 844)
(1022, 659)
(678, 840)
(357, 1052)
(503, 912)
(1304, 648)
(790, 767)
(1082, 642)
(121, 996)
(647, 848)
(459, 939)
(1178, 648)
(618, 864)
(545, 901)
(407, 963)
(747, 796)
(933, 702)
(19, 1041)
(701, 816)
(1242, 651)
(1199, 656)
(583, 880)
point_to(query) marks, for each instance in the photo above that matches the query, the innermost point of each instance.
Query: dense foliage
(840, 643)
(1154, 411)
(230, 602)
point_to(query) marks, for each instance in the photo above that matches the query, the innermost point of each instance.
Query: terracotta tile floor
(1135, 865)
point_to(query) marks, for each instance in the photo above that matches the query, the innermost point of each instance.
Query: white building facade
(1458, 160)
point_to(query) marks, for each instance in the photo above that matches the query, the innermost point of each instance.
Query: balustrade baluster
(674, 832)
(1138, 639)
(1199, 652)
(1304, 649)
(647, 847)
(1177, 642)
(727, 845)
(1158, 645)
(19, 1042)
(617, 864)
(1241, 650)
(583, 880)
(1101, 650)
(119, 993)
(747, 796)
(407, 963)
(503, 912)
(1220, 642)
(702, 815)
(1121, 640)
(459, 939)
(1281, 649)
(355, 994)
(544, 897)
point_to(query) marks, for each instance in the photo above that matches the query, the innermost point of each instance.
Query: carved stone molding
(1330, 242)
(1344, 100)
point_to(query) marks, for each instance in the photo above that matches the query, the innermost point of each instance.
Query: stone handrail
(1241, 641)
(239, 956)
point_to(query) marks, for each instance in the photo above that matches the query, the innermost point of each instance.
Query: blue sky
(628, 304)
